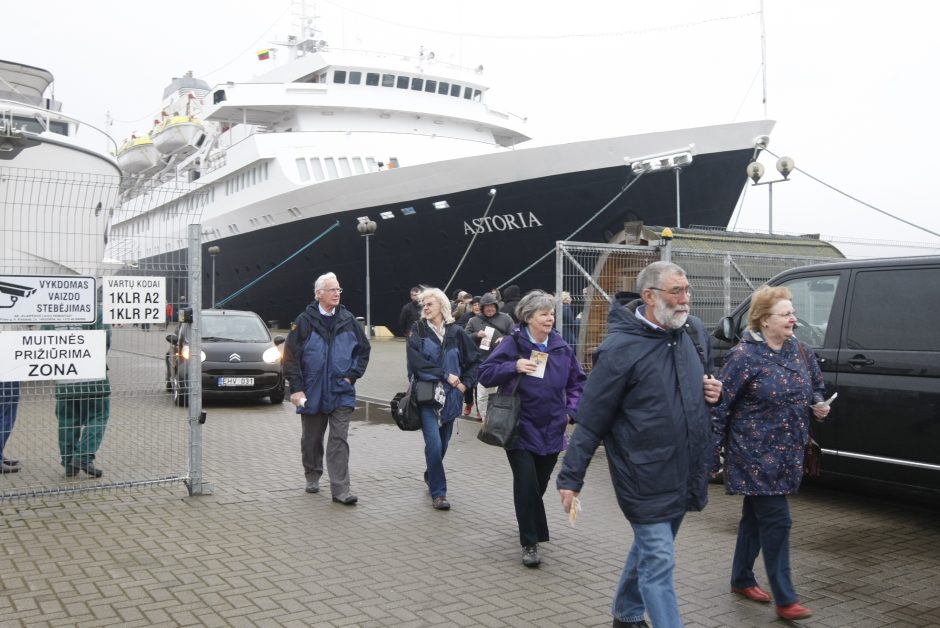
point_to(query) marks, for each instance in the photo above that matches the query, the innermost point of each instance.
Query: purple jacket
(546, 402)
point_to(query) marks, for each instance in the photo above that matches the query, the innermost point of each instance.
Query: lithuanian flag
(264, 54)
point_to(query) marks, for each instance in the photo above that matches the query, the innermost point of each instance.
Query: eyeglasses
(675, 291)
(785, 314)
(336, 290)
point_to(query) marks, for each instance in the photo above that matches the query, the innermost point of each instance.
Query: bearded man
(648, 399)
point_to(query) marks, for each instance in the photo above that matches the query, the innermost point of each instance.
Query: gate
(88, 279)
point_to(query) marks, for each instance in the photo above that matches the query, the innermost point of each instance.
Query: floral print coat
(762, 422)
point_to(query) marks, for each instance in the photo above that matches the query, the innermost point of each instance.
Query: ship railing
(11, 110)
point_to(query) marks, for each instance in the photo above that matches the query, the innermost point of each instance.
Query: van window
(812, 299)
(895, 309)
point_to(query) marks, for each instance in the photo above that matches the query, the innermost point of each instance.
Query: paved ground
(261, 552)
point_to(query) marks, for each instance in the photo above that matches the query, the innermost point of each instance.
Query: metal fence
(590, 276)
(59, 236)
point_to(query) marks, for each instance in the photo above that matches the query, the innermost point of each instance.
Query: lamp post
(661, 162)
(213, 251)
(366, 229)
(755, 171)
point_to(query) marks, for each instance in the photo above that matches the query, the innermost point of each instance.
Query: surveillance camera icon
(15, 292)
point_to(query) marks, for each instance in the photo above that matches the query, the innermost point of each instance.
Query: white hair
(441, 298)
(322, 279)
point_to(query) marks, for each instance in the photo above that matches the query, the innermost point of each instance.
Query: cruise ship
(347, 161)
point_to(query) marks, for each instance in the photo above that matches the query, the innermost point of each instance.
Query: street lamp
(366, 229)
(755, 170)
(661, 162)
(213, 251)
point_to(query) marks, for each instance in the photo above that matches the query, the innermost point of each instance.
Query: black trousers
(530, 475)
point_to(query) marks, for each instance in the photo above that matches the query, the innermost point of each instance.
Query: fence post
(559, 282)
(196, 484)
(726, 284)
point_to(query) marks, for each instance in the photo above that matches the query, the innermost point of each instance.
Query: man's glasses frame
(675, 292)
(336, 290)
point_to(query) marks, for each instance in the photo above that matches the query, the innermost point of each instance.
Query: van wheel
(277, 396)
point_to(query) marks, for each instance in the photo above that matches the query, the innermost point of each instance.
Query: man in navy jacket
(644, 399)
(325, 353)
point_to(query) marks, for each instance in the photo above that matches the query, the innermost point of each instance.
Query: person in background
(549, 395)
(462, 304)
(487, 329)
(9, 403)
(648, 399)
(471, 311)
(772, 385)
(325, 353)
(569, 324)
(469, 397)
(439, 351)
(511, 296)
(410, 312)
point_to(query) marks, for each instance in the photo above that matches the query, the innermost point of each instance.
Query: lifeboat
(178, 134)
(138, 154)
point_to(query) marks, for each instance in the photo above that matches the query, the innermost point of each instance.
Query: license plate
(236, 381)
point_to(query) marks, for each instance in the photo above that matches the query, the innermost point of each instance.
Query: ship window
(355, 78)
(372, 78)
(430, 86)
(322, 78)
(477, 95)
(417, 84)
(58, 127)
(252, 176)
(344, 167)
(387, 215)
(467, 93)
(443, 88)
(302, 169)
(388, 80)
(339, 76)
(265, 170)
(295, 212)
(357, 165)
(407, 211)
(317, 169)
(455, 90)
(331, 168)
(370, 164)
(269, 218)
(402, 82)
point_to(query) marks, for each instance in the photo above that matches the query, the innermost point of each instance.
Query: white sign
(61, 355)
(41, 299)
(134, 300)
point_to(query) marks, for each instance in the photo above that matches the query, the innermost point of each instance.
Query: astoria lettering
(501, 222)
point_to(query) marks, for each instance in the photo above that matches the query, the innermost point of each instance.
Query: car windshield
(241, 328)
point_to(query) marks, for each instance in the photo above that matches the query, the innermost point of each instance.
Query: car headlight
(184, 353)
(271, 355)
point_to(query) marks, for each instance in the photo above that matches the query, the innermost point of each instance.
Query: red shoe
(755, 593)
(794, 611)
(466, 409)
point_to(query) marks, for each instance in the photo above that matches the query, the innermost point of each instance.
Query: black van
(875, 326)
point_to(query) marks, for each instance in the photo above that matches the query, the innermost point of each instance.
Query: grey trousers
(337, 449)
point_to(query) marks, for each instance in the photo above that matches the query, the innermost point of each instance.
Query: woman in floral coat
(771, 382)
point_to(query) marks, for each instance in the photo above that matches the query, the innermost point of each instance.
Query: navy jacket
(644, 398)
(318, 360)
(430, 361)
(546, 402)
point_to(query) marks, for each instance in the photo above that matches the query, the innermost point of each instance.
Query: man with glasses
(325, 353)
(648, 399)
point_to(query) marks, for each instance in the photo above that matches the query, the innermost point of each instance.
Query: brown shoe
(755, 593)
(793, 611)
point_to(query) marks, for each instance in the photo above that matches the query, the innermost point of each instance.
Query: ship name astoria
(501, 222)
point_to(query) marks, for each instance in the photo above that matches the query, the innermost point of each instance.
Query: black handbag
(427, 393)
(501, 425)
(405, 411)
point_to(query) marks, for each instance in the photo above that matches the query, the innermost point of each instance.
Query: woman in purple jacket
(549, 387)
(772, 383)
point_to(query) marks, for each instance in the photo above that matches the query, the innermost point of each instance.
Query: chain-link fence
(591, 276)
(92, 284)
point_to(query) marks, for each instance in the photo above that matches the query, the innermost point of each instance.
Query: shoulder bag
(405, 411)
(501, 425)
(812, 455)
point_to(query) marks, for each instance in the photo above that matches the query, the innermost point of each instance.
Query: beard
(670, 317)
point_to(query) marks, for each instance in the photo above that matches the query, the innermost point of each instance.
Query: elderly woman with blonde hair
(440, 352)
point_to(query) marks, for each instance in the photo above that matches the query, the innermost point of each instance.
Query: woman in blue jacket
(772, 384)
(439, 351)
(549, 393)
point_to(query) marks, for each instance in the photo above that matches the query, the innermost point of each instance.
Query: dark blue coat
(546, 402)
(645, 399)
(429, 360)
(319, 359)
(763, 419)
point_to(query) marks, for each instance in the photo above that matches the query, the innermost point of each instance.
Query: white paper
(487, 338)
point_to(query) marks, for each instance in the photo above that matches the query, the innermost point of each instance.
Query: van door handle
(860, 360)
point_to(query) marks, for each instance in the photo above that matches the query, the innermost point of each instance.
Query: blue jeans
(765, 527)
(9, 402)
(646, 583)
(435, 446)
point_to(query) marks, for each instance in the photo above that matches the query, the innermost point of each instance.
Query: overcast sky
(852, 84)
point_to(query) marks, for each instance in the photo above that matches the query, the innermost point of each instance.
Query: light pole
(755, 171)
(661, 162)
(213, 251)
(366, 228)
